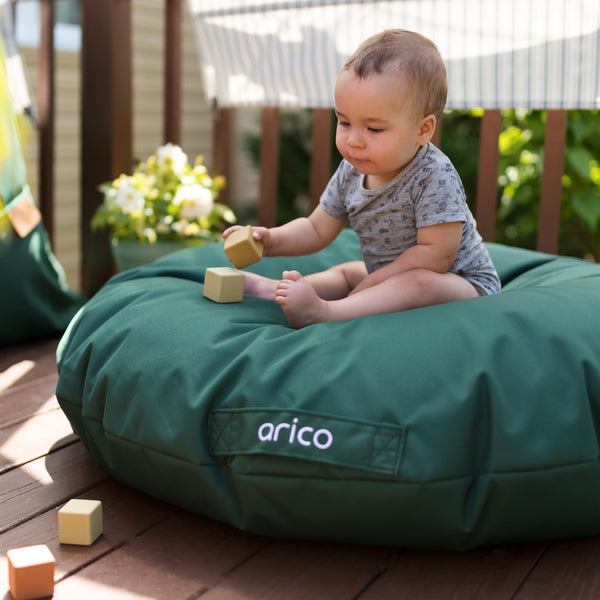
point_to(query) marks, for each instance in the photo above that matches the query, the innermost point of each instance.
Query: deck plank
(28, 377)
(299, 570)
(40, 352)
(178, 559)
(126, 514)
(569, 569)
(45, 483)
(25, 441)
(493, 574)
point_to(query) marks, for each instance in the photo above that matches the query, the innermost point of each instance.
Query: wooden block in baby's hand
(30, 572)
(223, 284)
(80, 522)
(242, 249)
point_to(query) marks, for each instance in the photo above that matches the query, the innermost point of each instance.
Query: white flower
(196, 201)
(179, 227)
(129, 199)
(174, 154)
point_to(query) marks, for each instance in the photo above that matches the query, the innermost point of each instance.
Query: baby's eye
(343, 124)
(375, 130)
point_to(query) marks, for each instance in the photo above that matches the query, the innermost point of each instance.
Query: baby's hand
(259, 233)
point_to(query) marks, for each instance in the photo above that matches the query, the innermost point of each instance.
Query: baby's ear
(426, 129)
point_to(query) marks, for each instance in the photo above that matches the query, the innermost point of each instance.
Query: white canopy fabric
(499, 53)
(17, 81)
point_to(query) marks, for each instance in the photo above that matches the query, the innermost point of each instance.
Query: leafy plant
(521, 145)
(164, 199)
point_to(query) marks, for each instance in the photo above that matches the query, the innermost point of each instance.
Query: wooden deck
(155, 551)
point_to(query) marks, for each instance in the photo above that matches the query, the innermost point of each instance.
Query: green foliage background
(519, 175)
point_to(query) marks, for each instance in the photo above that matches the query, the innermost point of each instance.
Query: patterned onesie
(428, 191)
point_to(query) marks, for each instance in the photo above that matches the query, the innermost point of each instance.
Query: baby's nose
(355, 140)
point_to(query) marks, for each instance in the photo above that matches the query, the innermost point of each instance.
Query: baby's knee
(353, 272)
(420, 279)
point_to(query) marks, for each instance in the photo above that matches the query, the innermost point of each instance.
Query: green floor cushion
(35, 300)
(454, 426)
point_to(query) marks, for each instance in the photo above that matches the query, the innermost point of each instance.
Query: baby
(401, 195)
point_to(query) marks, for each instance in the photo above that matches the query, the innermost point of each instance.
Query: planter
(129, 254)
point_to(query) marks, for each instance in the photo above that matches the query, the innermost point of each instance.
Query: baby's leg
(338, 281)
(332, 284)
(412, 289)
(259, 286)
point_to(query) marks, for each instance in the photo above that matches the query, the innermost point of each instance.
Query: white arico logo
(305, 436)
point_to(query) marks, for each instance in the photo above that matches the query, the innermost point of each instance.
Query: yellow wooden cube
(223, 284)
(80, 522)
(242, 249)
(30, 572)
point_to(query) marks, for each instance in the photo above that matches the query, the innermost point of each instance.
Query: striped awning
(499, 53)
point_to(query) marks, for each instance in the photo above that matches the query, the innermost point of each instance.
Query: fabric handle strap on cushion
(25, 193)
(307, 436)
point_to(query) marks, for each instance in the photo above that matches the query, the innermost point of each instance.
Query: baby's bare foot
(299, 301)
(259, 286)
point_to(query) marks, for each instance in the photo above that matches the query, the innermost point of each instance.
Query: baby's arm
(301, 236)
(435, 250)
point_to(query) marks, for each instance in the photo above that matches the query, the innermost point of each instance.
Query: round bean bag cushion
(448, 427)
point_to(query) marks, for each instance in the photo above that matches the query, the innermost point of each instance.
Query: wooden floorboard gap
(382, 571)
(60, 445)
(25, 419)
(157, 523)
(86, 564)
(530, 571)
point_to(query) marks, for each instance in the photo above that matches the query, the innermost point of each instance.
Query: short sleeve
(441, 198)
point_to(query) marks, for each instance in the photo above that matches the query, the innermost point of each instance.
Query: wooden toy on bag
(242, 249)
(223, 284)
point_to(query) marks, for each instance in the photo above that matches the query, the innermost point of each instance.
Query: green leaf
(587, 207)
(580, 159)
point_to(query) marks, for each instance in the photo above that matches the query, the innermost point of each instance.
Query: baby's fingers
(230, 230)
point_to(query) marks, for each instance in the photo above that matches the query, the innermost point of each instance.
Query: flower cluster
(164, 199)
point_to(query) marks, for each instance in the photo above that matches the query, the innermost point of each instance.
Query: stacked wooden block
(224, 284)
(31, 568)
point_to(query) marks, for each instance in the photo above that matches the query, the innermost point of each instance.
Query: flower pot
(129, 254)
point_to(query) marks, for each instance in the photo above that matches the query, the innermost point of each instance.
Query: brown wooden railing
(106, 133)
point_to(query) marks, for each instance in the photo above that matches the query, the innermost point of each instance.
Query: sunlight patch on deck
(15, 372)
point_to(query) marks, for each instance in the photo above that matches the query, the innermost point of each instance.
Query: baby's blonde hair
(415, 56)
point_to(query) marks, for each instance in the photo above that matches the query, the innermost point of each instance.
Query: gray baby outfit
(428, 191)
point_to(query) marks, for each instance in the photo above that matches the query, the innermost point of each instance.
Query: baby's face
(378, 131)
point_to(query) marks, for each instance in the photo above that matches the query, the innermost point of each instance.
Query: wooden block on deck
(223, 284)
(242, 249)
(80, 522)
(31, 572)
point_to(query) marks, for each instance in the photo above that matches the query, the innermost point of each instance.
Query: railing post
(486, 202)
(320, 157)
(551, 190)
(269, 167)
(46, 114)
(172, 114)
(106, 124)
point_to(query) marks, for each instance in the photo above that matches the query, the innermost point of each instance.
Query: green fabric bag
(454, 426)
(35, 300)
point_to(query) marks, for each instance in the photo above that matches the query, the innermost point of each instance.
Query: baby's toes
(291, 275)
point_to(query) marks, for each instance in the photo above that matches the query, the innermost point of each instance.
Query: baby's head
(405, 54)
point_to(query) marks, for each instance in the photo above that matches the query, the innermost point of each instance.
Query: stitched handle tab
(309, 436)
